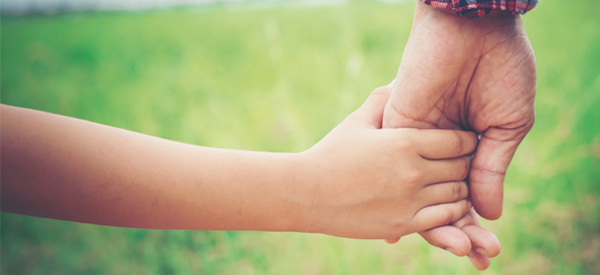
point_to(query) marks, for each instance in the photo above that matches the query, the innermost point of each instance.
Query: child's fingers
(449, 238)
(456, 169)
(441, 214)
(444, 144)
(444, 192)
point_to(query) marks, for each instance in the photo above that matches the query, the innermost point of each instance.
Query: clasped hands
(458, 79)
(477, 75)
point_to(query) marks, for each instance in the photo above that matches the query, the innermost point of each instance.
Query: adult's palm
(471, 74)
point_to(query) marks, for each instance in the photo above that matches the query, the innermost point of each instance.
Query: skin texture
(472, 74)
(360, 181)
(398, 178)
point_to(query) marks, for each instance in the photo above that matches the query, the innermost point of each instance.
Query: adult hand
(471, 74)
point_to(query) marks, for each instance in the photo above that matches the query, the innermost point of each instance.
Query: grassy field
(278, 79)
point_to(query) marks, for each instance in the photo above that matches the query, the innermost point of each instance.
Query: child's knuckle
(456, 142)
(398, 226)
(414, 176)
(458, 190)
(445, 217)
(404, 146)
(464, 166)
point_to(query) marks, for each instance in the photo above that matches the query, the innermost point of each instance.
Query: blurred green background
(279, 78)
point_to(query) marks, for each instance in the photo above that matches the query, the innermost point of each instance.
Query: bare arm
(65, 168)
(360, 181)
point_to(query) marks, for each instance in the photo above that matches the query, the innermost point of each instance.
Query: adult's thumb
(372, 110)
(488, 169)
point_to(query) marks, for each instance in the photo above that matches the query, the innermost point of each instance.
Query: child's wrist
(305, 195)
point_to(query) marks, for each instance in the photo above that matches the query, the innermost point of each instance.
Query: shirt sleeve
(477, 8)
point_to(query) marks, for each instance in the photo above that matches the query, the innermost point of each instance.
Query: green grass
(278, 79)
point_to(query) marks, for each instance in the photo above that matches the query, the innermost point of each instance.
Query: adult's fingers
(444, 144)
(449, 238)
(456, 169)
(457, 242)
(482, 240)
(444, 192)
(480, 262)
(488, 168)
(441, 214)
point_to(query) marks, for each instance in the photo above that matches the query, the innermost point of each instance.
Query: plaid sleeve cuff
(477, 8)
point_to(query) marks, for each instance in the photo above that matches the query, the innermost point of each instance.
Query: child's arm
(359, 181)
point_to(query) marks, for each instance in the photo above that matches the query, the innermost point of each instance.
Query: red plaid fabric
(476, 8)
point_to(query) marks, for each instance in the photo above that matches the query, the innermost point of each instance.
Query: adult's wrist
(471, 33)
(428, 12)
(482, 8)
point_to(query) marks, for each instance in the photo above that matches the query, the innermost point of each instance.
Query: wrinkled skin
(471, 74)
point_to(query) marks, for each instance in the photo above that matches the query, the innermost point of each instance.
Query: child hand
(372, 183)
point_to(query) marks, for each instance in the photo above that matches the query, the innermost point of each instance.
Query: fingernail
(452, 250)
(481, 251)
